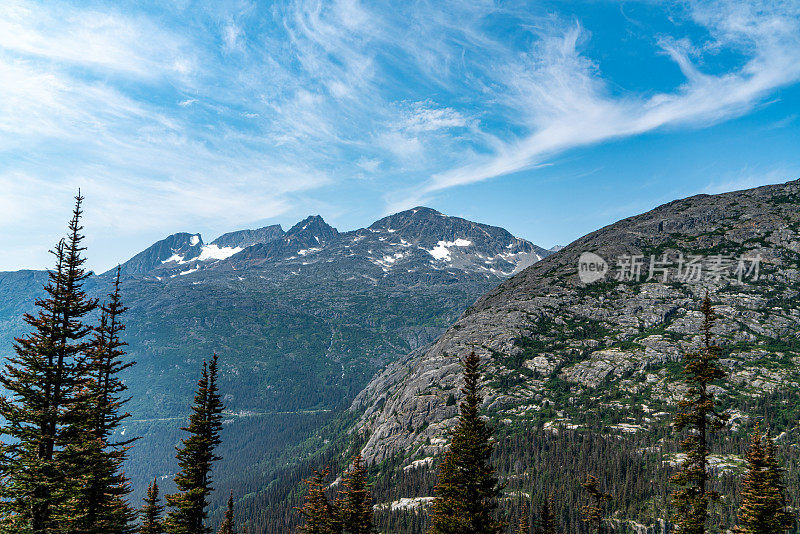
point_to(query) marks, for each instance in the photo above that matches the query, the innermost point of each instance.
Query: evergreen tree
(524, 519)
(229, 523)
(355, 508)
(319, 514)
(467, 490)
(102, 507)
(763, 508)
(151, 512)
(698, 415)
(195, 457)
(41, 468)
(782, 519)
(547, 519)
(594, 511)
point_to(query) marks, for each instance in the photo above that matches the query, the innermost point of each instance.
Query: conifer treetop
(47, 383)
(763, 509)
(467, 490)
(699, 417)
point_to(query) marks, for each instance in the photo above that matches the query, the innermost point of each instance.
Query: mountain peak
(182, 245)
(310, 221)
(424, 210)
(410, 217)
(313, 225)
(312, 231)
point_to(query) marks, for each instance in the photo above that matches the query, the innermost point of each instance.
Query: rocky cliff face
(247, 238)
(177, 247)
(557, 348)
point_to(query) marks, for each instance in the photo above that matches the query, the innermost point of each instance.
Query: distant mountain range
(413, 241)
(301, 319)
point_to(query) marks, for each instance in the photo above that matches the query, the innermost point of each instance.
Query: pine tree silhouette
(466, 494)
(151, 512)
(594, 511)
(320, 516)
(102, 507)
(47, 383)
(697, 413)
(355, 507)
(228, 525)
(763, 507)
(195, 458)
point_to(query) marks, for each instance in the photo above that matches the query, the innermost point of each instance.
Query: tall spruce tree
(228, 525)
(547, 518)
(697, 414)
(467, 490)
(41, 466)
(319, 515)
(151, 512)
(195, 458)
(355, 508)
(763, 508)
(595, 510)
(102, 507)
(782, 519)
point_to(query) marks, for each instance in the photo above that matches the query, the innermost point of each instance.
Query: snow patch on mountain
(176, 258)
(195, 240)
(215, 252)
(392, 259)
(442, 249)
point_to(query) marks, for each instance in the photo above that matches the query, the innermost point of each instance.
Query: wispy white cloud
(423, 117)
(101, 40)
(369, 165)
(565, 103)
(232, 37)
(38, 103)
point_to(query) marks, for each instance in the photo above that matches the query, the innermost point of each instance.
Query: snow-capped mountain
(416, 241)
(180, 247)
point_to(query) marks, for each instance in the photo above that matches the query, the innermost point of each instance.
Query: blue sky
(548, 118)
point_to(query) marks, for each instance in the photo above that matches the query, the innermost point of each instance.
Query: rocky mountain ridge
(412, 241)
(560, 351)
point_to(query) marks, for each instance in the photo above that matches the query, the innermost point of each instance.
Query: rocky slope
(561, 351)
